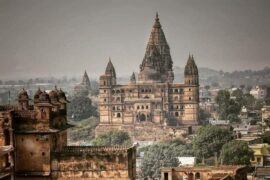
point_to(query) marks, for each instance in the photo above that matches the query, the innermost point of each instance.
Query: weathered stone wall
(32, 153)
(94, 163)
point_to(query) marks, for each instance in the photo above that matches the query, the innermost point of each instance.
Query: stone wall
(94, 163)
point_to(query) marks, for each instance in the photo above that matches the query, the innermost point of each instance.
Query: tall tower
(106, 82)
(191, 92)
(85, 81)
(157, 62)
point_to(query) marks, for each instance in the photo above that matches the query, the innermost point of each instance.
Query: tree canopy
(80, 107)
(163, 154)
(209, 140)
(112, 138)
(236, 153)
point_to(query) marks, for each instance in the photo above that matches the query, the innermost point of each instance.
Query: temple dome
(23, 95)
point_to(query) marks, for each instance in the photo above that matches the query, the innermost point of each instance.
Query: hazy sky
(65, 37)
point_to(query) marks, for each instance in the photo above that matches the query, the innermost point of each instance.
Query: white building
(258, 92)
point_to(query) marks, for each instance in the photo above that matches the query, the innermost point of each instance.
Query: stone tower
(86, 81)
(191, 92)
(106, 82)
(157, 63)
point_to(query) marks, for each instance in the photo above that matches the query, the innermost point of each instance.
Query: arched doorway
(142, 117)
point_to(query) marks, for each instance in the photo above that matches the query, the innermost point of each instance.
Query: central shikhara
(152, 96)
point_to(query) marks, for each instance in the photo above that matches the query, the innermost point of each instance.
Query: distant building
(187, 161)
(152, 98)
(266, 115)
(84, 88)
(258, 92)
(261, 154)
(204, 173)
(262, 173)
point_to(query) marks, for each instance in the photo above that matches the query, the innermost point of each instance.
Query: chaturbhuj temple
(151, 96)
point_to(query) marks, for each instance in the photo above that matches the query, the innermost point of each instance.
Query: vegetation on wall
(113, 138)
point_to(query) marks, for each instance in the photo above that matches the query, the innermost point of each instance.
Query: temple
(152, 96)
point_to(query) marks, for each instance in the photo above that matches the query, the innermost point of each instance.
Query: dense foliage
(209, 140)
(80, 107)
(112, 138)
(83, 130)
(236, 153)
(163, 154)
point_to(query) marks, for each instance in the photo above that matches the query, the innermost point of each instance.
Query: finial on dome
(156, 15)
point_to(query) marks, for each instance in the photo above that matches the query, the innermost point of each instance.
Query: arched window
(176, 98)
(176, 114)
(189, 98)
(118, 115)
(142, 107)
(197, 176)
(146, 107)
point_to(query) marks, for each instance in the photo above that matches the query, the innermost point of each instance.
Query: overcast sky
(65, 37)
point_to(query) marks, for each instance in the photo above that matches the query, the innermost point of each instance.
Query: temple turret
(133, 78)
(191, 72)
(158, 53)
(85, 81)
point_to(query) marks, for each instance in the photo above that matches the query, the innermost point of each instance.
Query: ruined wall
(32, 153)
(93, 163)
(145, 131)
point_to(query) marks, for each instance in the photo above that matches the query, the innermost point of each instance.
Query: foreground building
(152, 96)
(204, 173)
(33, 144)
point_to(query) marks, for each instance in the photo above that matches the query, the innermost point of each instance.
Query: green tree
(236, 153)
(267, 101)
(266, 137)
(209, 140)
(80, 107)
(112, 138)
(228, 106)
(203, 115)
(223, 100)
(163, 155)
(233, 118)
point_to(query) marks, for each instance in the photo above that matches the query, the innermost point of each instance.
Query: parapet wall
(94, 163)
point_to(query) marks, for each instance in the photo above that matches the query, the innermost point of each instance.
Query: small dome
(23, 95)
(53, 95)
(44, 97)
(36, 96)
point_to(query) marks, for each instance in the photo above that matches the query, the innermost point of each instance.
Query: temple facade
(151, 96)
